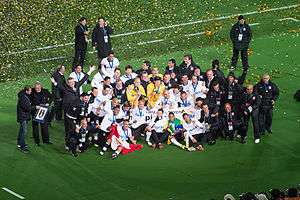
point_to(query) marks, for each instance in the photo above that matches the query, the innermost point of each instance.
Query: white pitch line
(254, 24)
(49, 59)
(13, 193)
(289, 18)
(150, 42)
(195, 34)
(165, 27)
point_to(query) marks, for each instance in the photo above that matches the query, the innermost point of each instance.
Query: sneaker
(114, 156)
(37, 144)
(191, 149)
(183, 147)
(24, 151)
(67, 148)
(149, 143)
(96, 145)
(101, 153)
(256, 141)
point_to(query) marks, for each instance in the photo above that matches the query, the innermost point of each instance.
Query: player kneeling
(78, 138)
(193, 133)
(118, 139)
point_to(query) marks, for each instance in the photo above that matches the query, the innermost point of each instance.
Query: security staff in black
(251, 104)
(40, 97)
(232, 123)
(81, 41)
(187, 67)
(269, 93)
(234, 91)
(212, 124)
(59, 77)
(215, 97)
(101, 38)
(240, 36)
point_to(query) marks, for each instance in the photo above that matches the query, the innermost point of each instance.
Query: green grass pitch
(228, 167)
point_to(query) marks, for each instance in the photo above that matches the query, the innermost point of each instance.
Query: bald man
(269, 93)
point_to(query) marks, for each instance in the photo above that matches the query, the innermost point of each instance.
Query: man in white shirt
(185, 102)
(139, 123)
(129, 75)
(185, 83)
(197, 88)
(109, 64)
(98, 107)
(77, 75)
(166, 101)
(194, 132)
(97, 79)
(157, 129)
(112, 117)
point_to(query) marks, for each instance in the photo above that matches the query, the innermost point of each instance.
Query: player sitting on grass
(157, 130)
(193, 133)
(118, 140)
(174, 130)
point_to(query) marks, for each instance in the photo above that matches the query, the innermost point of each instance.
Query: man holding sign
(41, 99)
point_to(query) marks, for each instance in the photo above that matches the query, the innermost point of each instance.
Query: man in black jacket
(101, 38)
(59, 77)
(24, 109)
(71, 99)
(40, 97)
(240, 36)
(251, 104)
(232, 123)
(81, 40)
(269, 93)
(187, 67)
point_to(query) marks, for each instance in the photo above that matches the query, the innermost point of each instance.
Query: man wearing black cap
(240, 36)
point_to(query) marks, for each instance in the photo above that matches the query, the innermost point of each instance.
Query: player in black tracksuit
(269, 93)
(240, 36)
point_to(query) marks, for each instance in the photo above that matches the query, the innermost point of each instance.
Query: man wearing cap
(240, 36)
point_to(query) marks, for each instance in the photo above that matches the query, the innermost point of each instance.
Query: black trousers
(138, 131)
(69, 126)
(158, 137)
(255, 122)
(265, 118)
(44, 131)
(244, 57)
(240, 129)
(200, 140)
(56, 111)
(78, 58)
